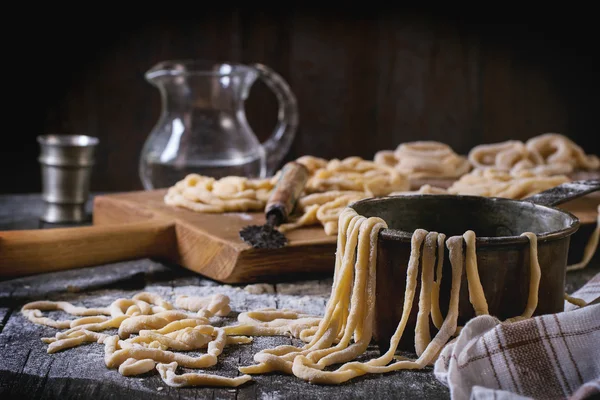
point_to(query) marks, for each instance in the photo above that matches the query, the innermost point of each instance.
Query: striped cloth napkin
(554, 356)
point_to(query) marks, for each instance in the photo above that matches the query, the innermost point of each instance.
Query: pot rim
(403, 236)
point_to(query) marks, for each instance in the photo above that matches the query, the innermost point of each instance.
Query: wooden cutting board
(210, 244)
(139, 224)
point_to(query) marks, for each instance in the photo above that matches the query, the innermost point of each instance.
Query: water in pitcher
(203, 129)
(163, 175)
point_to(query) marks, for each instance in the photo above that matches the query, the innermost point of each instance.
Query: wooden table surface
(27, 371)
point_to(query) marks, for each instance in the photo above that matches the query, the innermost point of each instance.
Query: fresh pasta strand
(33, 312)
(436, 314)
(168, 375)
(476, 293)
(132, 367)
(534, 279)
(590, 247)
(575, 300)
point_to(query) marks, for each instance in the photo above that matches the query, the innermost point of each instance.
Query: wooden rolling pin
(29, 252)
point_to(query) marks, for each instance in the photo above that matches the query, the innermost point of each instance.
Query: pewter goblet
(66, 163)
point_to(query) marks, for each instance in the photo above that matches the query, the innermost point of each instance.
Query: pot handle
(565, 192)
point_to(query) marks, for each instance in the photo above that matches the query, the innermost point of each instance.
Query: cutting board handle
(28, 252)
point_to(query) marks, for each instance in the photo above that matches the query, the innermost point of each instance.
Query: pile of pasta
(209, 195)
(161, 330)
(424, 159)
(492, 182)
(545, 154)
(510, 169)
(325, 207)
(153, 333)
(331, 186)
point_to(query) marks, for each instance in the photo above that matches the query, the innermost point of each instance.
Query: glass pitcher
(203, 128)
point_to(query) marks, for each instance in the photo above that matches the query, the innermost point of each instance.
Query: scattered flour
(273, 395)
(244, 216)
(260, 288)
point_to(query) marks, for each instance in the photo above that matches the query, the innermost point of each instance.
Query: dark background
(365, 79)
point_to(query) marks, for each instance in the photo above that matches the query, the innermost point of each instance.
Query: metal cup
(66, 162)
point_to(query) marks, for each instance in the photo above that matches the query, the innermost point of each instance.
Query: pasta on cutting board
(510, 169)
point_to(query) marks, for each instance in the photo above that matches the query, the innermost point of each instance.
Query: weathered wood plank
(128, 275)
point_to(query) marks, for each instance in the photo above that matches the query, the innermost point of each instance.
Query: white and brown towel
(553, 356)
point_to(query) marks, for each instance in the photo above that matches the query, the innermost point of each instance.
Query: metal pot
(502, 255)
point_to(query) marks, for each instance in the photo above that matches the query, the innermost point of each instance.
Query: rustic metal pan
(502, 255)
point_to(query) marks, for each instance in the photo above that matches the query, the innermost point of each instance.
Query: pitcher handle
(278, 144)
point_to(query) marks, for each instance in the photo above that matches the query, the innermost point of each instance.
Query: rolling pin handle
(276, 215)
(288, 189)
